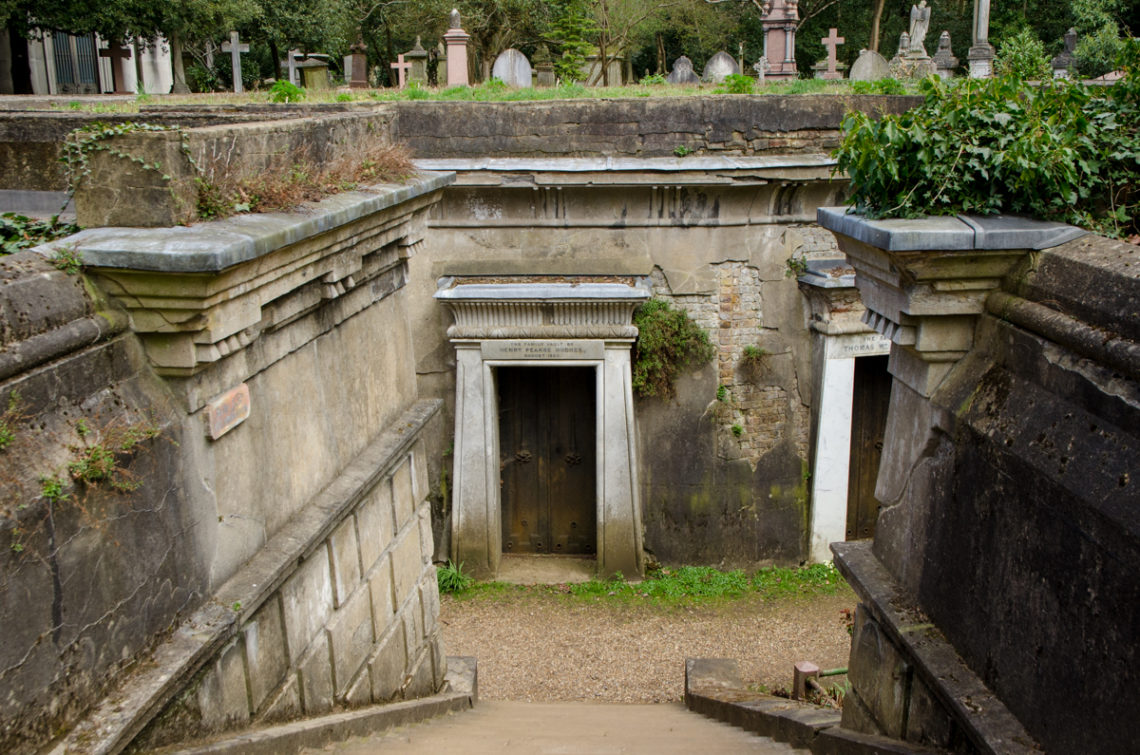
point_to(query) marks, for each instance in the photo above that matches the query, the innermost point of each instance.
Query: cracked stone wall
(88, 575)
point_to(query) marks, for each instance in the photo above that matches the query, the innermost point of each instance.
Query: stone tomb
(502, 331)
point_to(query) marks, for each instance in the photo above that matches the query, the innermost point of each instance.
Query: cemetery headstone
(683, 72)
(401, 69)
(1065, 64)
(291, 59)
(235, 47)
(761, 68)
(719, 66)
(357, 66)
(869, 66)
(981, 56)
(418, 57)
(944, 60)
(512, 68)
(118, 55)
(314, 73)
(543, 67)
(831, 42)
(456, 40)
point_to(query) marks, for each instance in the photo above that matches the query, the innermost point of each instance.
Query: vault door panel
(872, 399)
(547, 459)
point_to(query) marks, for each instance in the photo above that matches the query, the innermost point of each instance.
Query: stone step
(494, 727)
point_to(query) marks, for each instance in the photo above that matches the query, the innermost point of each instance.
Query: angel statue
(919, 25)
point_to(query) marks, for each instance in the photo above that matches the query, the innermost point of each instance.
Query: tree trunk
(180, 86)
(661, 62)
(876, 17)
(273, 55)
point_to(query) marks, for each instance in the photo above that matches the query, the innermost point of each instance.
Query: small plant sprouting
(794, 267)
(237, 606)
(722, 393)
(8, 420)
(98, 462)
(452, 579)
(51, 488)
(656, 79)
(738, 430)
(82, 428)
(736, 83)
(67, 258)
(681, 150)
(668, 341)
(285, 91)
(753, 355)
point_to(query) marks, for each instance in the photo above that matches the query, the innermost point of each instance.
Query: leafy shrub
(285, 91)
(1023, 56)
(1060, 151)
(451, 578)
(736, 83)
(668, 342)
(654, 79)
(20, 232)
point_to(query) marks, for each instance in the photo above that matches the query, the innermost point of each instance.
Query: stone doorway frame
(839, 337)
(508, 323)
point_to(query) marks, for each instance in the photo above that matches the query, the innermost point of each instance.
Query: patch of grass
(681, 586)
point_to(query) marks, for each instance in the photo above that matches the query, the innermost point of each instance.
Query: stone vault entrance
(547, 463)
(544, 412)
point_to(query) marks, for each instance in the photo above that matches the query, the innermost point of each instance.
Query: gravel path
(548, 647)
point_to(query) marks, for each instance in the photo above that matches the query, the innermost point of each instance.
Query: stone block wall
(353, 622)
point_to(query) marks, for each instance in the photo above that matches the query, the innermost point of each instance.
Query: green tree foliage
(1023, 56)
(570, 29)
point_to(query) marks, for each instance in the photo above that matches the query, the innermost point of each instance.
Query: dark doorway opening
(547, 459)
(872, 399)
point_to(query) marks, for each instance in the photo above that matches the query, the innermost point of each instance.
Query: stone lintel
(981, 715)
(924, 281)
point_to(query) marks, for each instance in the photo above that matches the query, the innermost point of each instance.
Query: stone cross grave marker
(761, 68)
(832, 42)
(118, 54)
(512, 68)
(402, 69)
(235, 47)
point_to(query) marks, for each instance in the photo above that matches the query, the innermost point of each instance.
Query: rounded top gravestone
(683, 72)
(512, 68)
(719, 66)
(869, 66)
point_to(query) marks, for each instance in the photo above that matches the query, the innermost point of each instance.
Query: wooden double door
(548, 459)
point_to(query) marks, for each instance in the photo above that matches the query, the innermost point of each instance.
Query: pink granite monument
(456, 40)
(779, 21)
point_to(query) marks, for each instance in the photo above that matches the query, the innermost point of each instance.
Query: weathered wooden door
(868, 422)
(547, 459)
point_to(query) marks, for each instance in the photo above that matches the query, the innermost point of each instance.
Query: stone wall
(1001, 582)
(89, 576)
(714, 241)
(642, 127)
(273, 358)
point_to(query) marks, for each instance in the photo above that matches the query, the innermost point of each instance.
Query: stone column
(456, 40)
(619, 514)
(476, 527)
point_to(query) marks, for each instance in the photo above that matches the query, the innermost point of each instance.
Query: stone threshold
(981, 715)
(460, 693)
(714, 688)
(141, 694)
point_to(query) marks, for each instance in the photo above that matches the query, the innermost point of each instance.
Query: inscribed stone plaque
(534, 349)
(849, 346)
(227, 411)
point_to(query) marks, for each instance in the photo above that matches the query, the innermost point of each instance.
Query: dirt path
(549, 647)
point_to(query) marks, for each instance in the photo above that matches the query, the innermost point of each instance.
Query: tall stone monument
(944, 60)
(456, 40)
(779, 22)
(981, 55)
(1065, 64)
(418, 57)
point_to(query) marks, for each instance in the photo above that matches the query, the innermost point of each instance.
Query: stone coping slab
(832, 273)
(622, 164)
(546, 292)
(982, 716)
(459, 694)
(948, 233)
(141, 694)
(216, 245)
